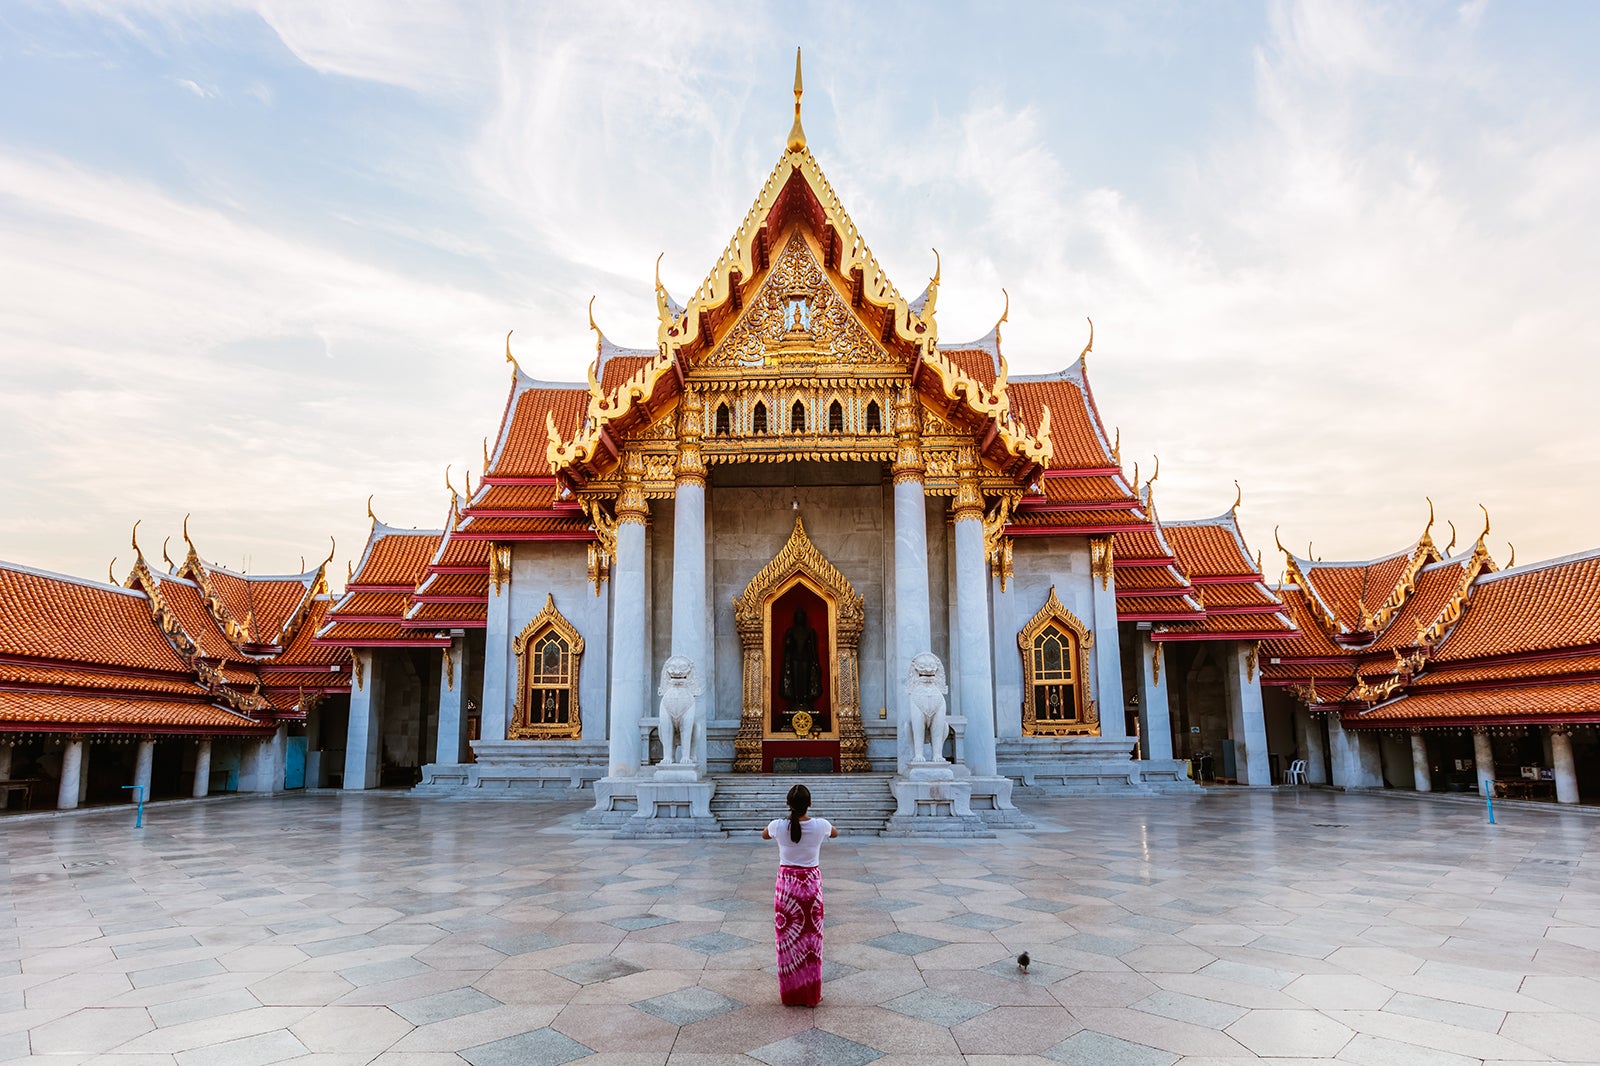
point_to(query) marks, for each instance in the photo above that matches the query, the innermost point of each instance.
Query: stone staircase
(859, 804)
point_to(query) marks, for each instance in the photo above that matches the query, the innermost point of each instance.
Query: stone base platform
(527, 769)
(1087, 766)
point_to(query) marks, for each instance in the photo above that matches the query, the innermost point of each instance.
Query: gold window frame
(1086, 718)
(549, 620)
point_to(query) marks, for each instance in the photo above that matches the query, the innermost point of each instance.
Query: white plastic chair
(1297, 773)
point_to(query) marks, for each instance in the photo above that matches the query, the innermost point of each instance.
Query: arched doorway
(815, 712)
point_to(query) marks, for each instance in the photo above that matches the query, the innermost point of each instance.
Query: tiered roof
(373, 612)
(82, 656)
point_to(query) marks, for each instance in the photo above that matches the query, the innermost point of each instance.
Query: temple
(830, 543)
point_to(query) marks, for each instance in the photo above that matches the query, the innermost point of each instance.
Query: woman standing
(797, 900)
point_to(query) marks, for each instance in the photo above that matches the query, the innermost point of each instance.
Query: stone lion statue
(926, 713)
(680, 684)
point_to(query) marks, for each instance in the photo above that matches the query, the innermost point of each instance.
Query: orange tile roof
(1538, 607)
(1238, 594)
(95, 712)
(1257, 625)
(1436, 587)
(1106, 488)
(1132, 606)
(1521, 703)
(359, 603)
(1346, 587)
(1141, 544)
(575, 525)
(617, 368)
(360, 634)
(13, 673)
(51, 616)
(186, 601)
(457, 551)
(975, 363)
(1465, 673)
(1024, 519)
(456, 584)
(514, 498)
(1075, 429)
(303, 652)
(1137, 578)
(396, 556)
(429, 613)
(1210, 548)
(524, 436)
(1313, 641)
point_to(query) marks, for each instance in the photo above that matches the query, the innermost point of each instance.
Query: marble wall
(561, 570)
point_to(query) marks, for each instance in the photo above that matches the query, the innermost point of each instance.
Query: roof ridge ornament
(1425, 538)
(1238, 498)
(165, 557)
(111, 571)
(1513, 560)
(515, 368)
(797, 135)
(1087, 348)
(1452, 545)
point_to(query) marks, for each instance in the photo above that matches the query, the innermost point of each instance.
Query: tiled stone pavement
(1227, 928)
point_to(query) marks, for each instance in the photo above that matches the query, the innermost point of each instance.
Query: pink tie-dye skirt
(797, 907)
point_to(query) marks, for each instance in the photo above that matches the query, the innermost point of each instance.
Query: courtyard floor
(1226, 928)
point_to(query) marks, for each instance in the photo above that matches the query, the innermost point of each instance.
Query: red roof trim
(503, 537)
(359, 587)
(531, 479)
(420, 642)
(1071, 531)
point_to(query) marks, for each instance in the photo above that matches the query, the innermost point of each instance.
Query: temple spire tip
(797, 134)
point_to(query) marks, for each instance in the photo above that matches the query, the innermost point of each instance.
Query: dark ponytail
(799, 802)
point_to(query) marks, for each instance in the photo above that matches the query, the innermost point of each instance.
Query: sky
(258, 257)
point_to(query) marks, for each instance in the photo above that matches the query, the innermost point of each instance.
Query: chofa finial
(509, 357)
(1238, 498)
(369, 509)
(797, 135)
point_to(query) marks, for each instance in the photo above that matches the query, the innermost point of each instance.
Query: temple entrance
(800, 623)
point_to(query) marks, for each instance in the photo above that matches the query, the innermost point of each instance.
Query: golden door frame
(799, 562)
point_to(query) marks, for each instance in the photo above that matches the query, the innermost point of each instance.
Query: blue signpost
(138, 795)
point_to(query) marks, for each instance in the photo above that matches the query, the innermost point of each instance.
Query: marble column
(202, 767)
(143, 763)
(83, 772)
(689, 597)
(72, 774)
(1421, 766)
(1106, 655)
(1566, 768)
(1316, 749)
(451, 744)
(365, 734)
(1483, 756)
(499, 666)
(976, 677)
(912, 622)
(630, 655)
(1357, 762)
(1155, 712)
(1247, 722)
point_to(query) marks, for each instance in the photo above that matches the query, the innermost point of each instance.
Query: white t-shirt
(804, 852)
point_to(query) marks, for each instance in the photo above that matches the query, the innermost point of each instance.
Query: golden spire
(797, 135)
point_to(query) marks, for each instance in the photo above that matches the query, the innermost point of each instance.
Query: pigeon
(1022, 962)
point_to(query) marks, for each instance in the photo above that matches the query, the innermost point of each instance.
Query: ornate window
(724, 420)
(835, 418)
(758, 420)
(874, 417)
(549, 651)
(797, 418)
(1055, 669)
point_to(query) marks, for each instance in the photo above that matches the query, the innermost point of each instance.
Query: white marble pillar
(1357, 762)
(144, 761)
(1566, 768)
(912, 621)
(689, 590)
(261, 768)
(1421, 766)
(72, 774)
(83, 772)
(202, 767)
(972, 634)
(1155, 712)
(1483, 756)
(450, 748)
(1316, 749)
(365, 735)
(499, 665)
(1106, 655)
(629, 654)
(1247, 722)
